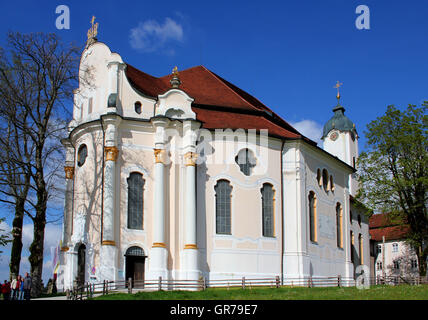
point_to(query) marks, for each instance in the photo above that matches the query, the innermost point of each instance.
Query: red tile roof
(383, 225)
(218, 104)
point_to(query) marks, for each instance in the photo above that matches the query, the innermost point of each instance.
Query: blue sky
(288, 54)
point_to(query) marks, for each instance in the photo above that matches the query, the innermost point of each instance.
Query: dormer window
(246, 161)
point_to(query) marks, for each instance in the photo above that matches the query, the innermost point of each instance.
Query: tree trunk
(15, 255)
(36, 256)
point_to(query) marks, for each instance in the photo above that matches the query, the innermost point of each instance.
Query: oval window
(137, 106)
(81, 155)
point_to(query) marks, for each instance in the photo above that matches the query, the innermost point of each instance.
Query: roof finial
(337, 86)
(92, 32)
(175, 81)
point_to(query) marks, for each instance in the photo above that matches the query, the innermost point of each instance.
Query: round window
(81, 155)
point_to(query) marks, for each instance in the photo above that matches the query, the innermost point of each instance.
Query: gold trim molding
(158, 245)
(190, 246)
(190, 159)
(69, 172)
(108, 243)
(111, 153)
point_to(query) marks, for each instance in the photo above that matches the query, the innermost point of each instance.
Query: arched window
(359, 220)
(135, 252)
(82, 153)
(325, 179)
(135, 200)
(331, 184)
(361, 251)
(352, 247)
(339, 225)
(223, 192)
(395, 247)
(268, 209)
(137, 106)
(312, 216)
(319, 179)
(246, 161)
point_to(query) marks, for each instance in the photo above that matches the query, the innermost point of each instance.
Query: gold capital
(69, 172)
(159, 155)
(111, 153)
(190, 159)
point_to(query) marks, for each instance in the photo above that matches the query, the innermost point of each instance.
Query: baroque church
(187, 176)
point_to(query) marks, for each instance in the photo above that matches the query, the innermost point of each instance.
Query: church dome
(338, 122)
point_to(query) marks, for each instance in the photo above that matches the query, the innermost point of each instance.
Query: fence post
(243, 283)
(130, 285)
(338, 280)
(160, 283)
(277, 281)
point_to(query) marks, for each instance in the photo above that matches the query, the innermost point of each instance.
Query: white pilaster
(108, 252)
(158, 260)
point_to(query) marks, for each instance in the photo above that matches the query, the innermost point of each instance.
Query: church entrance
(81, 253)
(134, 263)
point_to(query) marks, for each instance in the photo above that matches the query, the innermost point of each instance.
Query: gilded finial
(175, 81)
(337, 86)
(92, 32)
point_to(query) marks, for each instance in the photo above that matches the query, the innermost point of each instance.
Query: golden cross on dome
(93, 31)
(337, 86)
(175, 71)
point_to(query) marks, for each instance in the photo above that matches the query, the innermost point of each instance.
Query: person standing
(27, 286)
(21, 288)
(6, 290)
(15, 287)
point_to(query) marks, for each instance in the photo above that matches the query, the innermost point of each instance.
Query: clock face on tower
(334, 136)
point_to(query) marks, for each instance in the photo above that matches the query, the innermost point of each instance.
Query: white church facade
(187, 176)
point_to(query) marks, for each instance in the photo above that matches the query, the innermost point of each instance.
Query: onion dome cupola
(339, 121)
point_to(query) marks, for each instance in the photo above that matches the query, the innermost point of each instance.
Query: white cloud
(310, 129)
(150, 36)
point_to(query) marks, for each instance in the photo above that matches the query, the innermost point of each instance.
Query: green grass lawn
(402, 292)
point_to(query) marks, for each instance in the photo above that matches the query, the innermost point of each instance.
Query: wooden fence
(89, 290)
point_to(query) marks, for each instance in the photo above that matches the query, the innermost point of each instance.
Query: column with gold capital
(158, 263)
(190, 269)
(65, 257)
(108, 259)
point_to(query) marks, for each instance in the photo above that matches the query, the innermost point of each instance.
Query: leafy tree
(393, 172)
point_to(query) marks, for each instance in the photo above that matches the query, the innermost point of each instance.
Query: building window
(331, 184)
(396, 265)
(379, 265)
(361, 250)
(137, 106)
(414, 264)
(352, 247)
(312, 216)
(379, 249)
(325, 179)
(395, 247)
(223, 193)
(319, 179)
(268, 209)
(359, 220)
(339, 224)
(135, 201)
(246, 161)
(82, 154)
